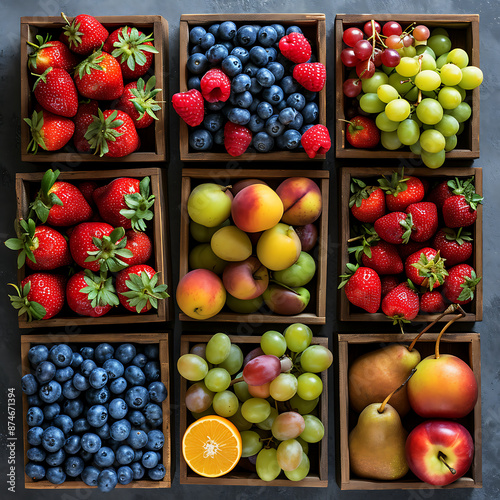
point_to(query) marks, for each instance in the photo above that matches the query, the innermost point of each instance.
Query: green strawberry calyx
(350, 270)
(460, 236)
(432, 270)
(102, 130)
(397, 184)
(467, 190)
(99, 290)
(360, 191)
(33, 309)
(109, 250)
(143, 290)
(90, 64)
(42, 44)
(42, 77)
(469, 286)
(26, 241)
(36, 124)
(72, 32)
(131, 47)
(407, 224)
(368, 237)
(45, 199)
(139, 205)
(144, 98)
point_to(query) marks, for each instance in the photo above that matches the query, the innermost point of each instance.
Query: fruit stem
(452, 320)
(374, 31)
(386, 400)
(355, 238)
(284, 286)
(236, 380)
(442, 457)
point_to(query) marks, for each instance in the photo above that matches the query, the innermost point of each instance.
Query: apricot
(231, 244)
(279, 247)
(301, 198)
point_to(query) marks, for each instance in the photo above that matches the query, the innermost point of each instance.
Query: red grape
(261, 370)
(394, 42)
(348, 58)
(365, 69)
(421, 33)
(351, 36)
(363, 50)
(352, 87)
(377, 56)
(408, 40)
(253, 354)
(367, 28)
(390, 58)
(392, 28)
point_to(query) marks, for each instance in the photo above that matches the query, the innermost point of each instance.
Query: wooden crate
(464, 33)
(315, 312)
(318, 475)
(464, 345)
(313, 27)
(153, 139)
(27, 186)
(162, 339)
(348, 312)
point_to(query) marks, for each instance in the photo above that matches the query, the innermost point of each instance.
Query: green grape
(408, 132)
(440, 31)
(448, 125)
(225, 403)
(283, 387)
(458, 57)
(314, 429)
(451, 143)
(310, 386)
(449, 98)
(372, 84)
(416, 148)
(273, 343)
(250, 443)
(316, 358)
(390, 140)
(461, 128)
(412, 94)
(238, 420)
(395, 81)
(407, 67)
(430, 93)
(217, 379)
(198, 397)
(409, 51)
(427, 62)
(303, 406)
(462, 112)
(234, 361)
(370, 103)
(451, 74)
(199, 350)
(267, 466)
(441, 60)
(439, 44)
(241, 389)
(397, 110)
(255, 410)
(383, 123)
(206, 413)
(427, 80)
(387, 93)
(433, 160)
(218, 348)
(301, 471)
(288, 425)
(462, 91)
(289, 454)
(432, 141)
(425, 49)
(298, 337)
(267, 424)
(429, 111)
(472, 77)
(192, 367)
(304, 444)
(385, 69)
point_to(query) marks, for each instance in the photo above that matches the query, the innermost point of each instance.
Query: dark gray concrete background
(490, 153)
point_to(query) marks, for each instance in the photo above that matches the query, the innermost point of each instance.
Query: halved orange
(212, 446)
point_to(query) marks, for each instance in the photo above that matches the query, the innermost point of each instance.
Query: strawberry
(237, 138)
(295, 47)
(312, 76)
(367, 203)
(138, 101)
(87, 188)
(411, 247)
(426, 268)
(50, 53)
(112, 134)
(189, 106)
(84, 117)
(401, 191)
(394, 227)
(383, 258)
(84, 34)
(361, 132)
(316, 140)
(140, 245)
(45, 247)
(125, 202)
(55, 91)
(40, 296)
(138, 290)
(90, 295)
(401, 304)
(432, 302)
(448, 188)
(99, 77)
(425, 220)
(454, 246)
(60, 203)
(133, 49)
(215, 86)
(388, 283)
(362, 287)
(48, 131)
(461, 210)
(460, 284)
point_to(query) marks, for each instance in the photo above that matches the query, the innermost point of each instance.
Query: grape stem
(236, 380)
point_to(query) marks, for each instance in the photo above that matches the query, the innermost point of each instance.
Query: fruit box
(153, 138)
(318, 453)
(27, 186)
(315, 312)
(348, 312)
(464, 345)
(162, 339)
(314, 28)
(464, 33)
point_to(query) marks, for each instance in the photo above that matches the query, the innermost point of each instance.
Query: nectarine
(301, 199)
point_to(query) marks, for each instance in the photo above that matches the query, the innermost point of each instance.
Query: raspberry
(215, 86)
(237, 138)
(316, 140)
(312, 76)
(189, 106)
(295, 47)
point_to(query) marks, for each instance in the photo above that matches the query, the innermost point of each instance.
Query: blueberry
(272, 54)
(244, 99)
(253, 107)
(61, 355)
(216, 53)
(153, 414)
(207, 40)
(120, 430)
(310, 112)
(276, 69)
(91, 442)
(267, 36)
(49, 393)
(138, 470)
(231, 66)
(53, 439)
(152, 371)
(55, 459)
(292, 138)
(97, 415)
(69, 391)
(196, 49)
(86, 367)
(118, 385)
(197, 63)
(34, 471)
(117, 408)
(51, 411)
(256, 124)
(287, 115)
(87, 352)
(125, 475)
(239, 116)
(140, 360)
(196, 34)
(264, 110)
(107, 480)
(125, 455)
(200, 140)
(214, 106)
(29, 384)
(258, 56)
(219, 137)
(76, 360)
(296, 100)
(104, 432)
(274, 127)
(45, 372)
(241, 53)
(289, 85)
(229, 46)
(36, 454)
(227, 30)
(214, 29)
(34, 400)
(155, 440)
(114, 368)
(64, 374)
(37, 354)
(212, 122)
(55, 475)
(280, 31)
(158, 473)
(194, 82)
(97, 396)
(293, 29)
(90, 475)
(150, 459)
(152, 351)
(73, 408)
(255, 86)
(34, 437)
(86, 456)
(250, 69)
(98, 378)
(134, 375)
(265, 77)
(103, 352)
(64, 422)
(80, 383)
(246, 35)
(73, 444)
(81, 425)
(240, 83)
(263, 142)
(157, 392)
(74, 466)
(309, 95)
(137, 439)
(104, 457)
(273, 94)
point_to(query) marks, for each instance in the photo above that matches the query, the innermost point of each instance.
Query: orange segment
(212, 446)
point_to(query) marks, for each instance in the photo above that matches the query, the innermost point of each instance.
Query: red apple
(308, 236)
(245, 280)
(439, 451)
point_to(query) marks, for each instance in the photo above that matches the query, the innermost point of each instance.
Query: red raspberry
(237, 138)
(189, 106)
(295, 47)
(312, 76)
(215, 86)
(316, 140)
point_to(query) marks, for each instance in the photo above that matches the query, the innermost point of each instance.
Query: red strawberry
(455, 247)
(90, 295)
(82, 242)
(432, 302)
(448, 188)
(316, 140)
(401, 304)
(362, 287)
(388, 283)
(460, 284)
(367, 202)
(133, 49)
(138, 290)
(84, 117)
(394, 227)
(215, 86)
(50, 53)
(312, 76)
(48, 131)
(425, 220)
(45, 247)
(411, 247)
(401, 191)
(112, 134)
(189, 106)
(426, 268)
(361, 132)
(140, 245)
(40, 296)
(237, 138)
(383, 258)
(295, 47)
(461, 210)
(60, 203)
(138, 101)
(99, 77)
(55, 91)
(84, 34)
(87, 188)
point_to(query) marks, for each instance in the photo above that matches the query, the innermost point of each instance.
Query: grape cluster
(270, 395)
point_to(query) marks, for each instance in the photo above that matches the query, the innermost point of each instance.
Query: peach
(256, 208)
(279, 247)
(243, 183)
(232, 244)
(245, 280)
(301, 199)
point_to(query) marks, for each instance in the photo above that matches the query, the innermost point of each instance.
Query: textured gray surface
(490, 152)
